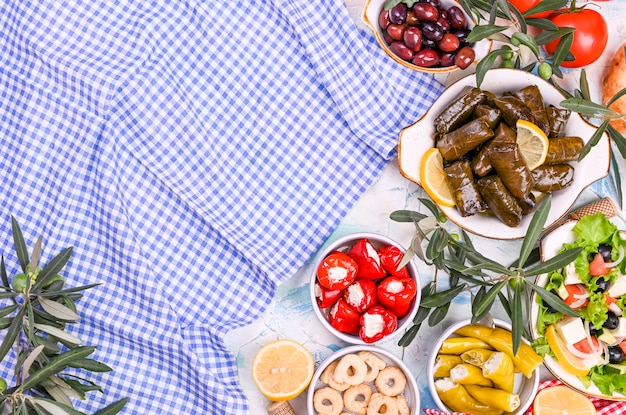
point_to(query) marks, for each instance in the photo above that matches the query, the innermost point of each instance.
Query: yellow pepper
(494, 398)
(476, 357)
(467, 374)
(499, 369)
(525, 361)
(443, 364)
(458, 345)
(456, 397)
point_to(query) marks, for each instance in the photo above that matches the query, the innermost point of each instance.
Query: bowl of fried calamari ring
(491, 174)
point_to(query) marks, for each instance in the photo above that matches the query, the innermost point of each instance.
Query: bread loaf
(615, 80)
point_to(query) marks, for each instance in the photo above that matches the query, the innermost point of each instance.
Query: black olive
(593, 331)
(612, 321)
(602, 284)
(606, 251)
(616, 355)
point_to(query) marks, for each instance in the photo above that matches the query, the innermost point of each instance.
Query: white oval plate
(550, 246)
(415, 139)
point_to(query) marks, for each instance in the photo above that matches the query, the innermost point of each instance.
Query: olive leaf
(36, 329)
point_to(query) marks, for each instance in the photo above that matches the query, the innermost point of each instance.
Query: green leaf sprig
(39, 310)
(486, 279)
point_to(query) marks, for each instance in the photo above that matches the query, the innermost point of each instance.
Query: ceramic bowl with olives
(427, 35)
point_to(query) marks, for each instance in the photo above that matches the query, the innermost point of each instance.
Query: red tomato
(337, 271)
(597, 267)
(590, 37)
(583, 345)
(574, 290)
(524, 5)
(622, 345)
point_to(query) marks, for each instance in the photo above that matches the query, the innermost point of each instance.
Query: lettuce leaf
(608, 381)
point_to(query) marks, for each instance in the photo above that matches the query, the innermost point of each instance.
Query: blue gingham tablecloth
(195, 154)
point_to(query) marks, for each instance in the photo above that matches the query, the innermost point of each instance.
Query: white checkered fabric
(195, 154)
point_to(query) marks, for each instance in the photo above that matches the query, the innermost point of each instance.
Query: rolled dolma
(531, 96)
(563, 149)
(512, 109)
(500, 201)
(508, 162)
(553, 177)
(491, 115)
(463, 188)
(459, 110)
(528, 203)
(557, 120)
(459, 142)
(480, 163)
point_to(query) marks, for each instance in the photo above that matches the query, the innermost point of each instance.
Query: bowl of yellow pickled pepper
(472, 369)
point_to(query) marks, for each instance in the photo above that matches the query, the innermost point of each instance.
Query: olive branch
(469, 270)
(39, 310)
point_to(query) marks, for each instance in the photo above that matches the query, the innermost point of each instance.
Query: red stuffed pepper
(337, 271)
(390, 257)
(344, 318)
(325, 297)
(367, 259)
(397, 294)
(361, 295)
(376, 323)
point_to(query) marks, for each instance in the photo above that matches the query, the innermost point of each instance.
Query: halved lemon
(570, 363)
(559, 400)
(433, 178)
(532, 142)
(282, 369)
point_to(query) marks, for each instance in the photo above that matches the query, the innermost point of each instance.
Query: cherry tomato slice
(337, 271)
(584, 347)
(597, 267)
(575, 291)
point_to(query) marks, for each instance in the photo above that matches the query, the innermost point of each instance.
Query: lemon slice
(532, 142)
(560, 399)
(282, 369)
(570, 363)
(433, 178)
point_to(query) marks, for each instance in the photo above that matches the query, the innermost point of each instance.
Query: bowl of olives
(427, 35)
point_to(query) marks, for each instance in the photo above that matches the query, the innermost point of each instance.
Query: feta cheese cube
(571, 329)
(571, 276)
(618, 288)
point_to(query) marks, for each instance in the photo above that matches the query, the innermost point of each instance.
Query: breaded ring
(374, 364)
(350, 369)
(403, 405)
(327, 401)
(382, 405)
(390, 381)
(328, 377)
(357, 397)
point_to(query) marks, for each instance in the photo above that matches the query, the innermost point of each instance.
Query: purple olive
(402, 50)
(426, 58)
(444, 23)
(383, 19)
(464, 57)
(432, 31)
(449, 43)
(396, 31)
(413, 38)
(426, 12)
(456, 18)
(411, 18)
(447, 59)
(462, 35)
(397, 14)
